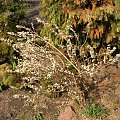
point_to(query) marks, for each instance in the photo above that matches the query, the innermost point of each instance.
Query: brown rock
(67, 114)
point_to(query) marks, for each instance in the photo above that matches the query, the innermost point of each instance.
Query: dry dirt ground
(21, 105)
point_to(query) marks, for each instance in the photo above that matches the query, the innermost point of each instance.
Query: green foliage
(8, 78)
(38, 117)
(4, 51)
(95, 111)
(4, 48)
(54, 9)
(7, 54)
(8, 62)
(0, 87)
(10, 13)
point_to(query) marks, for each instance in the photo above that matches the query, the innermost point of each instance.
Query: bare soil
(21, 105)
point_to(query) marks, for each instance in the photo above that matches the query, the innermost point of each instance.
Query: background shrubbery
(11, 11)
(85, 29)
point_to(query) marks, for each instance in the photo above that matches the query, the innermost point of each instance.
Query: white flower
(117, 56)
(16, 96)
(40, 21)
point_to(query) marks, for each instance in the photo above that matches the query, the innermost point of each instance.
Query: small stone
(67, 114)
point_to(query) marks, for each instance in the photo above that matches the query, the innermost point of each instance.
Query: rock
(67, 114)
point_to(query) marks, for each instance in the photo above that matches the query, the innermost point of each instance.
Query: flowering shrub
(41, 71)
